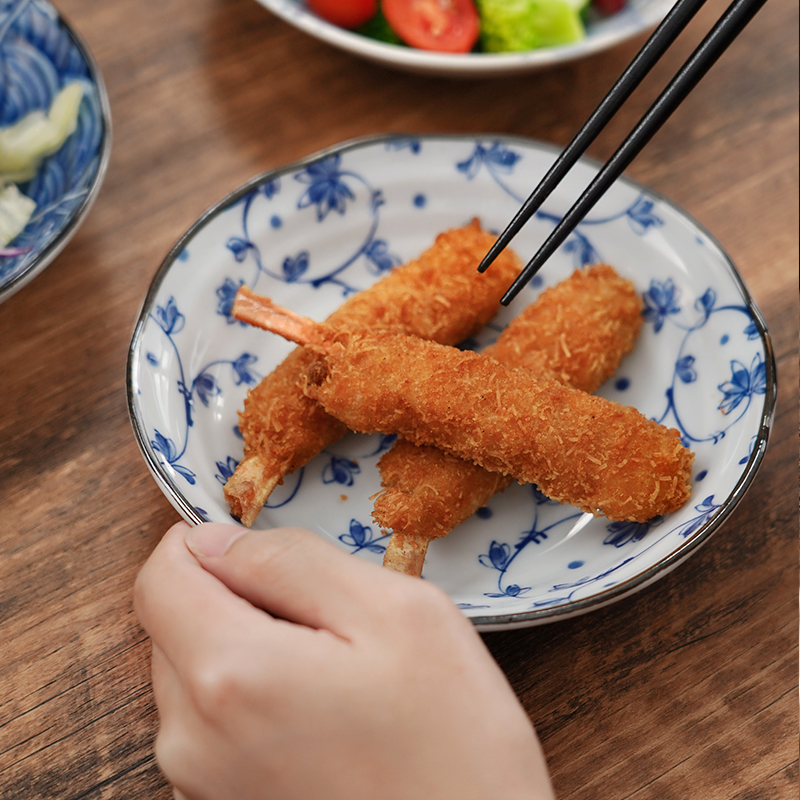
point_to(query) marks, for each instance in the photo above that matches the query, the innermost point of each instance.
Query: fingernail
(212, 541)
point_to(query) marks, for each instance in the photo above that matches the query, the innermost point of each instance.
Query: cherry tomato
(608, 7)
(345, 13)
(448, 26)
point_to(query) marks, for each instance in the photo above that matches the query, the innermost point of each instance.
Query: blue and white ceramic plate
(312, 233)
(40, 53)
(601, 33)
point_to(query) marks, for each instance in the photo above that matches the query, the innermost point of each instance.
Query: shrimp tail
(263, 313)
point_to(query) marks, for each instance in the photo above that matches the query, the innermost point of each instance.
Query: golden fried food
(438, 296)
(576, 332)
(577, 448)
(426, 493)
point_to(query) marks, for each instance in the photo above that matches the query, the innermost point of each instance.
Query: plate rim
(79, 213)
(499, 621)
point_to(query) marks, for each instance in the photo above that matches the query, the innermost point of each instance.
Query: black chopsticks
(729, 26)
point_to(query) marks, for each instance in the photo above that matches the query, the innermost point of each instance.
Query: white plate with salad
(55, 138)
(471, 38)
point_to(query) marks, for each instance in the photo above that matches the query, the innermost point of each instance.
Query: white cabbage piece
(23, 147)
(15, 211)
(37, 135)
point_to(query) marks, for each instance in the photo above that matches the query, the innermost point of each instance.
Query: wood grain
(686, 690)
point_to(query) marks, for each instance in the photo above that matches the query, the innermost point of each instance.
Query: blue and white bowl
(602, 33)
(312, 233)
(40, 53)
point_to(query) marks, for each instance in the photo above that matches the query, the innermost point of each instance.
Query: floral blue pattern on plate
(602, 33)
(312, 233)
(40, 54)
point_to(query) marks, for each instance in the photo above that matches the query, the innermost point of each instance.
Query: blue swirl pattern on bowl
(39, 55)
(311, 234)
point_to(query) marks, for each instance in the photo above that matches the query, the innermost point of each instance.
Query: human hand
(285, 668)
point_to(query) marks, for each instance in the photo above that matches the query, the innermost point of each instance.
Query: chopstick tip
(488, 259)
(510, 294)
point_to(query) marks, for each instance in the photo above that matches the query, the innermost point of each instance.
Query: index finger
(297, 576)
(188, 612)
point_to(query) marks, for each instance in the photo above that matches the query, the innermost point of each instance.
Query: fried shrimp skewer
(577, 333)
(438, 296)
(577, 448)
(426, 493)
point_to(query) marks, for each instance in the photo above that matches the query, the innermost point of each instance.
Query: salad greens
(516, 25)
(379, 28)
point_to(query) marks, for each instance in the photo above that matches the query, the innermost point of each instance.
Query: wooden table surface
(686, 690)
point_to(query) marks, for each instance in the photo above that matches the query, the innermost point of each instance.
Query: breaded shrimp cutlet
(597, 455)
(576, 333)
(439, 296)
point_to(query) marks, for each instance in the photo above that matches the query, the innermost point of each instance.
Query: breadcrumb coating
(577, 330)
(577, 448)
(577, 333)
(426, 493)
(439, 296)
(597, 455)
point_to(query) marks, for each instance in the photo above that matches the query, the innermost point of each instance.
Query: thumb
(293, 574)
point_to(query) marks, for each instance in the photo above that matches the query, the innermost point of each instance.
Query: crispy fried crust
(577, 448)
(438, 296)
(577, 332)
(427, 492)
